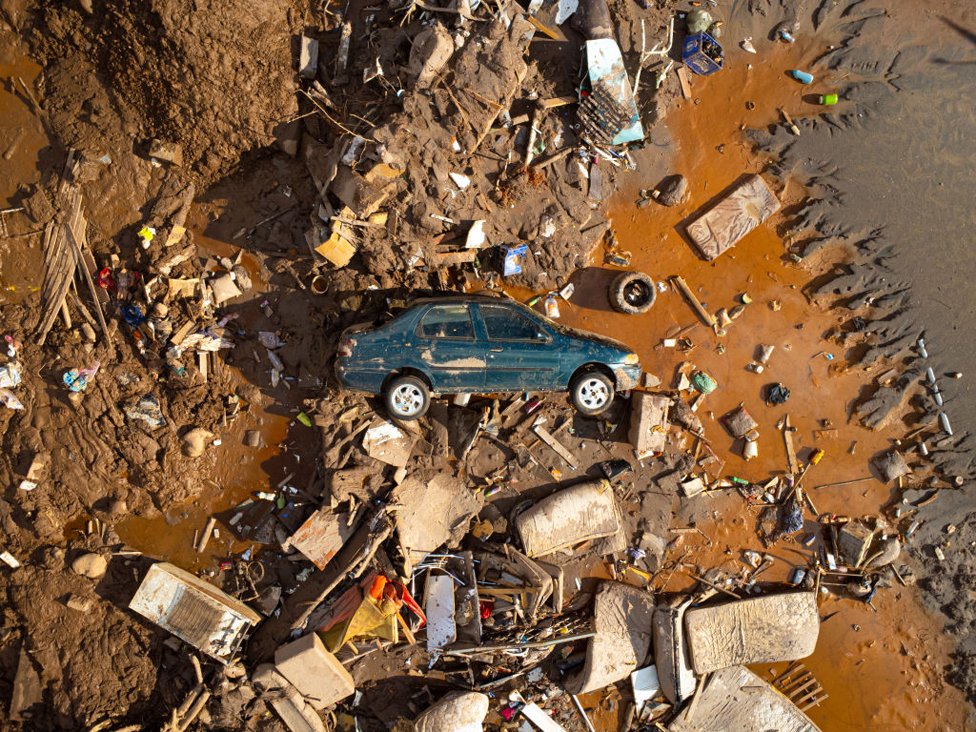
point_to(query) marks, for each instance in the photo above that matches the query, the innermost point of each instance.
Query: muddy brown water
(21, 138)
(881, 670)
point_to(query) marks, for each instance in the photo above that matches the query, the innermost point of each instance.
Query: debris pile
(499, 557)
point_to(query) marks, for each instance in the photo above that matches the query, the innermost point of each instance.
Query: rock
(432, 48)
(195, 441)
(52, 557)
(79, 603)
(252, 438)
(90, 565)
(698, 20)
(242, 278)
(891, 466)
(117, 507)
(315, 672)
(308, 59)
(650, 381)
(890, 551)
(739, 422)
(224, 288)
(672, 190)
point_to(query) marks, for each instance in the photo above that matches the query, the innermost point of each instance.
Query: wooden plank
(184, 330)
(559, 101)
(556, 446)
(706, 317)
(685, 82)
(794, 465)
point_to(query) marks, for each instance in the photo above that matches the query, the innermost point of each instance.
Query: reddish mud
(21, 137)
(880, 669)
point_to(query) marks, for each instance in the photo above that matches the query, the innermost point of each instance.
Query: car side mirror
(540, 336)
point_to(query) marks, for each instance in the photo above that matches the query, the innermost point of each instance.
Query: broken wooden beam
(706, 317)
(556, 446)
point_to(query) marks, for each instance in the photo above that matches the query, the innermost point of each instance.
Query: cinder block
(315, 672)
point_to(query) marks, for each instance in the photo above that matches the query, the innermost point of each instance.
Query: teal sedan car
(481, 344)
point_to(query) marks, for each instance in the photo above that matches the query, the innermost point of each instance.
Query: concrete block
(315, 672)
(853, 541)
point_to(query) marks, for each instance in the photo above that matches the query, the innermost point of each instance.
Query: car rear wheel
(632, 292)
(592, 393)
(407, 398)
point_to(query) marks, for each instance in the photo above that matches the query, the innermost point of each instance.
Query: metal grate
(193, 618)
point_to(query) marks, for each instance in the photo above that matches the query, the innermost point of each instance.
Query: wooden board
(685, 83)
(556, 446)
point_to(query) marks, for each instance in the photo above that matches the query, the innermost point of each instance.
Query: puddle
(21, 138)
(235, 473)
(887, 674)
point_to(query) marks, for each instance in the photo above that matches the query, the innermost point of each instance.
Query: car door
(521, 353)
(449, 349)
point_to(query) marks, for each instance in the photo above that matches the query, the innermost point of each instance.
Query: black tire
(407, 398)
(591, 392)
(632, 293)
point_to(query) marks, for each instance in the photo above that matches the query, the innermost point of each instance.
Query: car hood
(586, 335)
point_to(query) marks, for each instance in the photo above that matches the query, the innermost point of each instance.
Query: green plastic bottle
(828, 99)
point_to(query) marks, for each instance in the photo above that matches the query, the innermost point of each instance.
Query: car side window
(447, 321)
(508, 324)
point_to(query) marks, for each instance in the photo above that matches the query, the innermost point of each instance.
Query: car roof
(481, 296)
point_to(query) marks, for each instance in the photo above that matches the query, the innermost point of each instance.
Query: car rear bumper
(627, 376)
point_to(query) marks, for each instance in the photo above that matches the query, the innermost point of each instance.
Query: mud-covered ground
(890, 174)
(889, 182)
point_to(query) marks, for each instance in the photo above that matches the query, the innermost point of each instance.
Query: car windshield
(447, 321)
(504, 323)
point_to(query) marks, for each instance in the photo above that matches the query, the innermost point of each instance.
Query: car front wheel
(592, 393)
(407, 398)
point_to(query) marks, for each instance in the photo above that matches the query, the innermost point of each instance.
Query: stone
(891, 465)
(889, 551)
(195, 441)
(252, 438)
(315, 672)
(224, 288)
(117, 507)
(672, 190)
(79, 603)
(52, 557)
(90, 565)
(432, 48)
(308, 58)
(650, 381)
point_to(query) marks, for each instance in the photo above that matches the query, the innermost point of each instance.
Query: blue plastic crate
(695, 58)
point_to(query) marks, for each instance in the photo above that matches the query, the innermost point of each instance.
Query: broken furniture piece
(649, 423)
(676, 676)
(735, 698)
(622, 621)
(569, 517)
(193, 610)
(766, 629)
